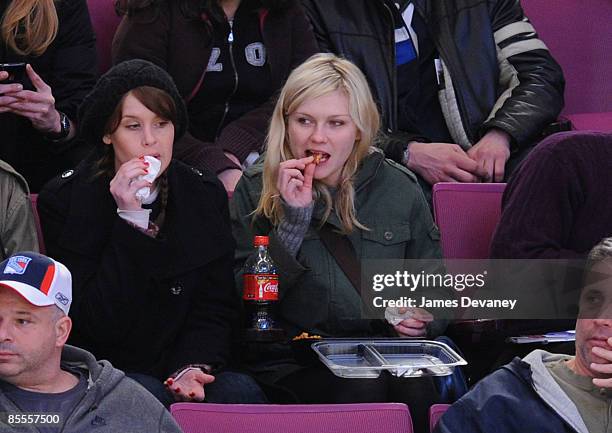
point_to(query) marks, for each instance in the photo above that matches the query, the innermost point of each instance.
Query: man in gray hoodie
(47, 386)
(545, 392)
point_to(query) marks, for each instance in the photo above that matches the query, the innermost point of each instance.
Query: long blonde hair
(320, 75)
(29, 26)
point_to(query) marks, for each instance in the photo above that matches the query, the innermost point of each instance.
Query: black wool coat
(149, 305)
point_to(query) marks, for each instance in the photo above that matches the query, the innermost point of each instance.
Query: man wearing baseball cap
(47, 384)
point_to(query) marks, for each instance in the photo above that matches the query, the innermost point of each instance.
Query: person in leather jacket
(465, 87)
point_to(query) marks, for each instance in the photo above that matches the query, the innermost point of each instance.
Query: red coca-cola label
(260, 287)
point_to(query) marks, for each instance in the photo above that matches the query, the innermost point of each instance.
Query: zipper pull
(230, 37)
(439, 74)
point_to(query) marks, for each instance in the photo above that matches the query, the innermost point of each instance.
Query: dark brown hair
(156, 100)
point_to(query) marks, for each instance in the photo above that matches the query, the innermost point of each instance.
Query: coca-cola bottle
(260, 294)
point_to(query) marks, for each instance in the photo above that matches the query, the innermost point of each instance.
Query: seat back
(467, 214)
(579, 36)
(315, 418)
(435, 413)
(105, 22)
(41, 241)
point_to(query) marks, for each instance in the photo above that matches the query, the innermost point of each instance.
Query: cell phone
(17, 75)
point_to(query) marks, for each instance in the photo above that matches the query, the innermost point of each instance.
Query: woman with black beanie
(148, 242)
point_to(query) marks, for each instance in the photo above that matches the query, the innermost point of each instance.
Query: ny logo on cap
(17, 265)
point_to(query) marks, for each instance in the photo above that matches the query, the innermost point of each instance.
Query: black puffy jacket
(497, 73)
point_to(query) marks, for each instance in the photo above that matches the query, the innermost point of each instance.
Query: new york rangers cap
(39, 279)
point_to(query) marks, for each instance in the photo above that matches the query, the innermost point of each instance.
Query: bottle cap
(261, 240)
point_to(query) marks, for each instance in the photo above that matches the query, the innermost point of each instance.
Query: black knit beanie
(99, 104)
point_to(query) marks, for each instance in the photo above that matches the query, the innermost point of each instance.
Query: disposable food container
(362, 358)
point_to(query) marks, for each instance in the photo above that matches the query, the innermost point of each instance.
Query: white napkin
(153, 170)
(395, 315)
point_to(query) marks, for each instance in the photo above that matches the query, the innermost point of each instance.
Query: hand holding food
(409, 322)
(126, 183)
(295, 181)
(153, 167)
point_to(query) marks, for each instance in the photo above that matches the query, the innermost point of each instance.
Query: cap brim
(29, 293)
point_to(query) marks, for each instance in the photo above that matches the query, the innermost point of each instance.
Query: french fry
(306, 336)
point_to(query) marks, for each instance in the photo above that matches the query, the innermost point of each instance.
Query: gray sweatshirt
(550, 391)
(112, 403)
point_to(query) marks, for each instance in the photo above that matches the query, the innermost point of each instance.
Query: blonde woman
(321, 173)
(38, 102)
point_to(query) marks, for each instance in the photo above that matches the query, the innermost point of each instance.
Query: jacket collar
(364, 176)
(368, 169)
(9, 169)
(92, 216)
(102, 378)
(533, 371)
(98, 371)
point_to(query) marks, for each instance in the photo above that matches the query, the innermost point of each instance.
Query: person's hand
(229, 178)
(443, 162)
(492, 152)
(189, 384)
(605, 369)
(6, 92)
(295, 181)
(37, 106)
(415, 326)
(125, 184)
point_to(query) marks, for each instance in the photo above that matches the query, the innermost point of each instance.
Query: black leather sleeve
(537, 98)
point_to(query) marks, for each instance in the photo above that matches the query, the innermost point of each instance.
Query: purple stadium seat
(592, 121)
(435, 413)
(105, 22)
(41, 241)
(578, 35)
(264, 418)
(467, 214)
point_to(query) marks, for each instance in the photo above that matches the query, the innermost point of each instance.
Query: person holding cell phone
(48, 57)
(321, 174)
(149, 244)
